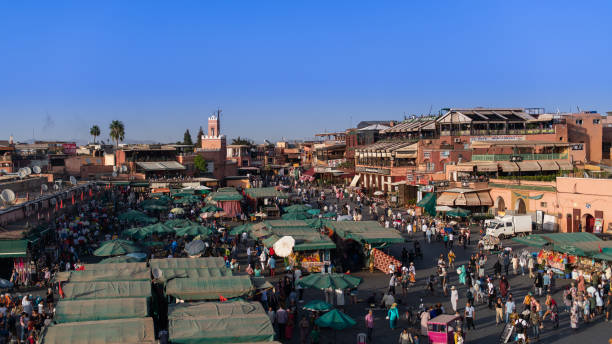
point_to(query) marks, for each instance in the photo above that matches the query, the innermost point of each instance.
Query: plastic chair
(361, 338)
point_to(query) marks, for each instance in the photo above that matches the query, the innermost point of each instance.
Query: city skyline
(162, 69)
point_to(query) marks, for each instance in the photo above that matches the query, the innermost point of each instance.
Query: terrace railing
(507, 157)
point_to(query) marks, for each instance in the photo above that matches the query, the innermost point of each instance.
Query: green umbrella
(458, 213)
(336, 320)
(313, 211)
(120, 259)
(152, 243)
(240, 229)
(210, 209)
(296, 208)
(329, 215)
(130, 215)
(318, 306)
(138, 232)
(296, 216)
(159, 228)
(315, 223)
(116, 247)
(178, 223)
(334, 281)
(193, 230)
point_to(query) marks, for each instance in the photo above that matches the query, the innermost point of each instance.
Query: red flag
(90, 194)
(73, 199)
(61, 204)
(600, 250)
(221, 298)
(56, 206)
(81, 196)
(61, 291)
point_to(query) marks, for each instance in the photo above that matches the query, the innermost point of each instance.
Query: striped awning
(465, 167)
(508, 166)
(472, 199)
(485, 198)
(528, 166)
(486, 167)
(548, 165)
(446, 198)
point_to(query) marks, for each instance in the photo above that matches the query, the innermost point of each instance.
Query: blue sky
(287, 68)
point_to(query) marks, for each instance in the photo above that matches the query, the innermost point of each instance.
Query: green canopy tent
(179, 223)
(194, 230)
(116, 247)
(313, 212)
(116, 265)
(106, 289)
(67, 311)
(135, 216)
(267, 192)
(153, 201)
(531, 240)
(126, 274)
(296, 216)
(458, 212)
(299, 208)
(160, 228)
(187, 263)
(329, 215)
(129, 331)
(428, 203)
(333, 281)
(121, 259)
(240, 229)
(154, 207)
(318, 306)
(194, 273)
(315, 223)
(137, 232)
(228, 322)
(13, 248)
(196, 289)
(183, 194)
(153, 243)
(370, 232)
(210, 209)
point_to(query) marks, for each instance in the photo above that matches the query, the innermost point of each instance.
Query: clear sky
(288, 68)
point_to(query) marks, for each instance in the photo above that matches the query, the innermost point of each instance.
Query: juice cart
(440, 330)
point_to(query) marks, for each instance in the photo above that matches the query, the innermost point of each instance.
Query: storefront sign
(498, 138)
(384, 171)
(69, 148)
(598, 225)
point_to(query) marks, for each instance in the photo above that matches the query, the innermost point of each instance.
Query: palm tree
(117, 131)
(95, 132)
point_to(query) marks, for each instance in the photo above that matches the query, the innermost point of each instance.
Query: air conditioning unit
(457, 140)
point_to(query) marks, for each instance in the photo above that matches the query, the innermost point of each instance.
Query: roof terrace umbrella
(336, 320)
(334, 281)
(318, 306)
(116, 247)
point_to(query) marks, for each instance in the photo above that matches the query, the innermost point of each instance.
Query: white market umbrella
(378, 193)
(284, 246)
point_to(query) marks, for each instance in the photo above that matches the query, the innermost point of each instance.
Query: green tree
(95, 132)
(187, 138)
(200, 164)
(242, 141)
(200, 134)
(117, 131)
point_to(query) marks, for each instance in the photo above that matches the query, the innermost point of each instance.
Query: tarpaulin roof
(106, 289)
(13, 248)
(125, 274)
(367, 231)
(116, 266)
(581, 243)
(124, 331)
(306, 238)
(286, 223)
(170, 273)
(213, 309)
(229, 195)
(268, 192)
(102, 309)
(228, 322)
(187, 263)
(209, 289)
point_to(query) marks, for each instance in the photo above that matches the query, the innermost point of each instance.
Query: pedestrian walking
(469, 316)
(369, 323)
(393, 315)
(454, 298)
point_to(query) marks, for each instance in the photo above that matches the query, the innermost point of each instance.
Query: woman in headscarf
(393, 315)
(462, 274)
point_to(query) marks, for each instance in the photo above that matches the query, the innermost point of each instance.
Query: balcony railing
(506, 157)
(477, 132)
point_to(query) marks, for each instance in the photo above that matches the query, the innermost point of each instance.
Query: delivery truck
(509, 226)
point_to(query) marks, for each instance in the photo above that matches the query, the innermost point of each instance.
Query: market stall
(227, 199)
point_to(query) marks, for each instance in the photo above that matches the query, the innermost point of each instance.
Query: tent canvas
(116, 266)
(365, 231)
(213, 309)
(125, 331)
(102, 309)
(13, 248)
(235, 329)
(110, 275)
(187, 263)
(193, 289)
(106, 290)
(170, 273)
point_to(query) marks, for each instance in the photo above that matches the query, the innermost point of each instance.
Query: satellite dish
(114, 173)
(56, 187)
(157, 273)
(28, 170)
(44, 187)
(73, 180)
(36, 169)
(8, 196)
(22, 173)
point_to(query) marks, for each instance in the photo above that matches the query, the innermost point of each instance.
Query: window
(596, 121)
(543, 204)
(579, 121)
